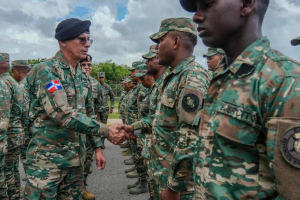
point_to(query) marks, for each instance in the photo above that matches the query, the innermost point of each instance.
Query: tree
(35, 61)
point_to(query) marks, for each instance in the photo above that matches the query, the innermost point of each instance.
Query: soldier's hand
(111, 110)
(116, 137)
(128, 129)
(169, 194)
(100, 159)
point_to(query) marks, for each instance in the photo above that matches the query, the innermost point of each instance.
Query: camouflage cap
(30, 66)
(142, 70)
(175, 24)
(4, 57)
(295, 41)
(19, 63)
(136, 64)
(127, 80)
(213, 51)
(189, 5)
(152, 52)
(101, 74)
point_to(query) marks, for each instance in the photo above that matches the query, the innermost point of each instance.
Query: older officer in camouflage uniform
(173, 129)
(87, 65)
(250, 123)
(107, 93)
(5, 109)
(62, 117)
(15, 134)
(213, 56)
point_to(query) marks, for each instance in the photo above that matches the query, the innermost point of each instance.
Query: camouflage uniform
(5, 109)
(15, 138)
(173, 129)
(122, 105)
(107, 93)
(249, 127)
(62, 117)
(146, 125)
(90, 83)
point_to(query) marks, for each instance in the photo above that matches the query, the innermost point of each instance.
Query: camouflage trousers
(160, 174)
(88, 160)
(53, 183)
(139, 159)
(3, 186)
(103, 116)
(152, 186)
(12, 173)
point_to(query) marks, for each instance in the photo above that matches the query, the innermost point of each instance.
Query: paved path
(110, 183)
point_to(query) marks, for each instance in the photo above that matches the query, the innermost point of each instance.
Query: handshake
(119, 133)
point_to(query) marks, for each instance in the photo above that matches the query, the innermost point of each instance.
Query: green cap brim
(209, 55)
(139, 75)
(295, 41)
(149, 55)
(156, 36)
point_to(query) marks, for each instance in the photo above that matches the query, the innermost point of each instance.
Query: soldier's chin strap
(137, 132)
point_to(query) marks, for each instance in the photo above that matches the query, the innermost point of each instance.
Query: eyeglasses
(88, 65)
(83, 40)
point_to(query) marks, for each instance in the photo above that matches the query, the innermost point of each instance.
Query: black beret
(69, 29)
(87, 59)
(189, 5)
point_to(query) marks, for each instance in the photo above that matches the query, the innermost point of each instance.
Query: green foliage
(114, 115)
(113, 72)
(35, 61)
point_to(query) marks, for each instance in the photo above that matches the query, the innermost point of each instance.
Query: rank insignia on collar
(290, 146)
(190, 103)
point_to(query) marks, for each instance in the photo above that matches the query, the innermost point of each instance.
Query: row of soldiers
(142, 87)
(17, 121)
(230, 134)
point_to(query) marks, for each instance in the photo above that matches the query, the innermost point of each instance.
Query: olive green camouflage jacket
(61, 115)
(249, 129)
(5, 108)
(107, 93)
(15, 131)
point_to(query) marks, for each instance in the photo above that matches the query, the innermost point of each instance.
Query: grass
(116, 104)
(114, 115)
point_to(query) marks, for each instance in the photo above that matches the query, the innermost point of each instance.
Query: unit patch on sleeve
(190, 102)
(290, 146)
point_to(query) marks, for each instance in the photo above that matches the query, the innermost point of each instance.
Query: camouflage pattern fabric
(107, 93)
(15, 138)
(63, 112)
(62, 117)
(19, 63)
(121, 99)
(5, 109)
(4, 57)
(122, 107)
(175, 24)
(173, 140)
(25, 117)
(250, 108)
(42, 183)
(146, 125)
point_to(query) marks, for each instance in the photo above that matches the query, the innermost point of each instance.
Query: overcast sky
(120, 28)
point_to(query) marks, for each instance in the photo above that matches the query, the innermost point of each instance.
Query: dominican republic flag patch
(53, 85)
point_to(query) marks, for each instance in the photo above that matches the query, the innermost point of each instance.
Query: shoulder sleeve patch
(190, 105)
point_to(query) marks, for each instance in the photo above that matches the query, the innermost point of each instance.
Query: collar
(247, 61)
(182, 65)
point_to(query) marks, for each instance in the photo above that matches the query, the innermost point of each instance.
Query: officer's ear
(62, 44)
(247, 7)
